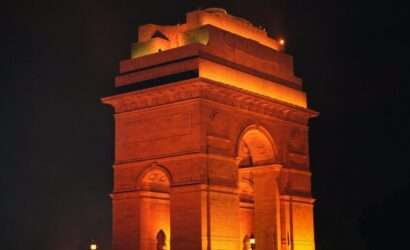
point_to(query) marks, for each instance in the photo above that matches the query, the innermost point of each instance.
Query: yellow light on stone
(252, 241)
(93, 246)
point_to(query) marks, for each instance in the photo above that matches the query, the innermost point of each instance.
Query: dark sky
(59, 57)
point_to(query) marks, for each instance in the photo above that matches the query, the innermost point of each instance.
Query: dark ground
(60, 57)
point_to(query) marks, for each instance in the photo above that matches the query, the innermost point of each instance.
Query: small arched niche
(161, 240)
(255, 147)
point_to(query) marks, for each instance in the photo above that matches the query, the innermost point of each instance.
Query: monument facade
(211, 140)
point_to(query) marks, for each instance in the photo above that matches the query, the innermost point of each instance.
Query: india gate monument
(211, 140)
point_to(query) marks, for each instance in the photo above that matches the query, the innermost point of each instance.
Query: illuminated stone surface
(212, 145)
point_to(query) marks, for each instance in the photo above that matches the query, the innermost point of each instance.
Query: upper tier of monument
(213, 45)
(152, 38)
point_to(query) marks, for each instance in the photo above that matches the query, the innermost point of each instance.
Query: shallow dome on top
(216, 10)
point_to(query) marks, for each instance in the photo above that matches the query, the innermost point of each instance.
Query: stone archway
(255, 147)
(154, 207)
(257, 158)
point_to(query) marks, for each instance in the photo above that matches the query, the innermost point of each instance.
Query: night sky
(59, 57)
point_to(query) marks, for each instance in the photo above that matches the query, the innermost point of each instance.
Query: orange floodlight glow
(161, 177)
(235, 78)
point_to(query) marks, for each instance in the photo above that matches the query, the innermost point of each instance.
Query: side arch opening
(255, 147)
(153, 185)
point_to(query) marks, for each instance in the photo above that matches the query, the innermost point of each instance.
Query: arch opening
(255, 147)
